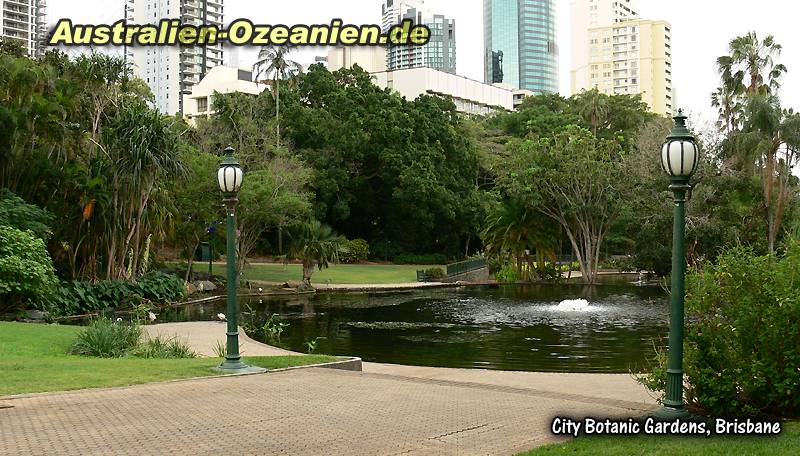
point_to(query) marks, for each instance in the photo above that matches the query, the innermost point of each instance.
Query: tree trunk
(308, 271)
(195, 244)
(278, 112)
(578, 255)
(769, 173)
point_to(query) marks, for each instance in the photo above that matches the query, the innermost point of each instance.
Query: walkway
(386, 409)
(204, 336)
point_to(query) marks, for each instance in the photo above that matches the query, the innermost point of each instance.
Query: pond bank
(202, 337)
(322, 287)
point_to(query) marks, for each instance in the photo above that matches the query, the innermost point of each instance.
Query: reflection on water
(509, 327)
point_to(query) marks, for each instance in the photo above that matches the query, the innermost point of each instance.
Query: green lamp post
(230, 176)
(679, 159)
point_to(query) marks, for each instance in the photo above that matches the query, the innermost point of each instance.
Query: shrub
(106, 339)
(507, 273)
(622, 264)
(27, 277)
(355, 250)
(16, 213)
(164, 349)
(435, 273)
(742, 348)
(160, 287)
(432, 258)
(77, 298)
(274, 327)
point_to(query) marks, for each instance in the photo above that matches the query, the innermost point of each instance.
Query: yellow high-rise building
(630, 57)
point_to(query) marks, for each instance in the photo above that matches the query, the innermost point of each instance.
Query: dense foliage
(27, 277)
(354, 251)
(388, 170)
(742, 348)
(743, 339)
(432, 258)
(79, 297)
(16, 213)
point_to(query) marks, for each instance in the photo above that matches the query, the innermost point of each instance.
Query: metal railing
(463, 267)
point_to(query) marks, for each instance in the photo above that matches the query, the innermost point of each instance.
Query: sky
(701, 31)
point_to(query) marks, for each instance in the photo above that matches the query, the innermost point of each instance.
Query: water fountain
(573, 305)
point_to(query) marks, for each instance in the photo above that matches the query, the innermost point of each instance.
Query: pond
(522, 327)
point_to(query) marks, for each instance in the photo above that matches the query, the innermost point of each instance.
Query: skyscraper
(171, 71)
(439, 53)
(25, 21)
(520, 44)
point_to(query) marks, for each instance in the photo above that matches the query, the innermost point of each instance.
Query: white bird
(151, 316)
(222, 317)
(119, 320)
(260, 290)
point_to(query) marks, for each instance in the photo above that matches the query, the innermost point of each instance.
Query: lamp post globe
(229, 178)
(680, 158)
(230, 174)
(679, 154)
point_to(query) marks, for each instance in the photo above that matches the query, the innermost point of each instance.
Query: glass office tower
(520, 44)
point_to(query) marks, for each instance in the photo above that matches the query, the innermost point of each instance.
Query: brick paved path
(308, 411)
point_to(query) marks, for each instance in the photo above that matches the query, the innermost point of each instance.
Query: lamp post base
(670, 413)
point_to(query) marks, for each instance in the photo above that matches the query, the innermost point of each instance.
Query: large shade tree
(574, 179)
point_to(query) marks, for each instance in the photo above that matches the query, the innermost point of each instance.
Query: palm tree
(512, 229)
(755, 58)
(772, 135)
(727, 98)
(316, 245)
(142, 153)
(273, 63)
(593, 106)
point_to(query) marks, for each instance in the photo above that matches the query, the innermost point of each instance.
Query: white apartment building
(25, 21)
(172, 71)
(371, 58)
(519, 94)
(586, 14)
(470, 96)
(439, 53)
(221, 79)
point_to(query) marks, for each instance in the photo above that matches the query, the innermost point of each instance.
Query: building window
(202, 104)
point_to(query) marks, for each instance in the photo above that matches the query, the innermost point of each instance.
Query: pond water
(604, 328)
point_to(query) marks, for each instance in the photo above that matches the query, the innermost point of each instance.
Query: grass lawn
(33, 359)
(337, 273)
(786, 443)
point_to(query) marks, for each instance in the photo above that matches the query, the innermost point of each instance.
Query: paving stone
(297, 412)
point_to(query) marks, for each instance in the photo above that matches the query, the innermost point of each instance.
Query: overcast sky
(701, 30)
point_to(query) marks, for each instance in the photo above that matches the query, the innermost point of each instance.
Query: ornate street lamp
(230, 176)
(679, 158)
